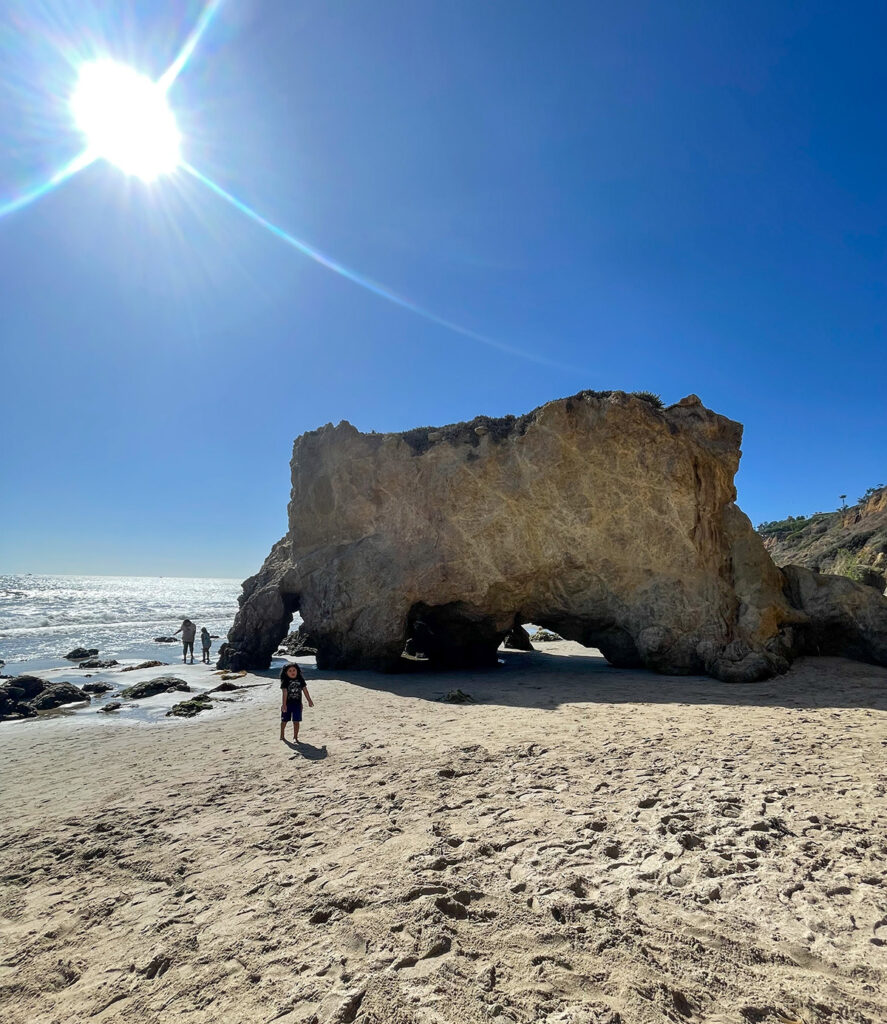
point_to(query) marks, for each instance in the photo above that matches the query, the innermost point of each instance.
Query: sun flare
(126, 119)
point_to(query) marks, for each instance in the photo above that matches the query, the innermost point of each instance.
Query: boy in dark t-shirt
(292, 686)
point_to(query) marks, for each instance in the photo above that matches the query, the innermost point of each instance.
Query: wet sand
(581, 846)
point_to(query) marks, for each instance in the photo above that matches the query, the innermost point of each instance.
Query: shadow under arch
(458, 636)
(568, 674)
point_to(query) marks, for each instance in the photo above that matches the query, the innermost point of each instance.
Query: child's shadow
(306, 751)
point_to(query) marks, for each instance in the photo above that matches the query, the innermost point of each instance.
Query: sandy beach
(583, 845)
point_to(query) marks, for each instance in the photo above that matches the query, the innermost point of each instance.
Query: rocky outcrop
(79, 653)
(55, 695)
(518, 640)
(842, 617)
(160, 684)
(600, 517)
(23, 696)
(13, 704)
(266, 610)
(190, 708)
(297, 643)
(98, 663)
(97, 688)
(849, 542)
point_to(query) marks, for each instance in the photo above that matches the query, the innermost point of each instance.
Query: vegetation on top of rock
(420, 439)
(649, 396)
(870, 493)
(190, 708)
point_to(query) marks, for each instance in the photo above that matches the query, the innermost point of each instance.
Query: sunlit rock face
(602, 517)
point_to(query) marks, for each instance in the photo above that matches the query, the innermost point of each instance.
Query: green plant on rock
(870, 492)
(847, 564)
(649, 396)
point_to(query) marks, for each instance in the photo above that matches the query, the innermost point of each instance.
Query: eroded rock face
(599, 516)
(842, 617)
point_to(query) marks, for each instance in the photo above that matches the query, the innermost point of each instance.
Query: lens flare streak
(78, 164)
(178, 65)
(360, 279)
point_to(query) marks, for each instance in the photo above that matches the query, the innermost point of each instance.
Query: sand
(581, 846)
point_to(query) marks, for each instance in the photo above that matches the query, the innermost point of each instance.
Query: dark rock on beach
(298, 642)
(160, 684)
(190, 708)
(97, 687)
(232, 659)
(29, 685)
(54, 695)
(81, 652)
(518, 640)
(11, 704)
(144, 664)
(225, 687)
(165, 639)
(96, 663)
(115, 705)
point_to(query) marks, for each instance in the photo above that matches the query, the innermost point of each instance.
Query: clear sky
(679, 197)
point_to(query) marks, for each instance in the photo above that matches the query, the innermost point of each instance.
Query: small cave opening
(453, 635)
(600, 633)
(459, 636)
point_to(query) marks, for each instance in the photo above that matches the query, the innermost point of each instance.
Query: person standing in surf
(188, 631)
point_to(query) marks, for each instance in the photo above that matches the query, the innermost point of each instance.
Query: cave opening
(456, 635)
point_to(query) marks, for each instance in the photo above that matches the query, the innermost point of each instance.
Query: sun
(126, 119)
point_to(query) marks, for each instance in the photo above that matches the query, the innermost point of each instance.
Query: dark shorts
(292, 714)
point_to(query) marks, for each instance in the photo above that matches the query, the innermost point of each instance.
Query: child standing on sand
(292, 685)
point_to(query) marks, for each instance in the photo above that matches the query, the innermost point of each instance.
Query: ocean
(44, 617)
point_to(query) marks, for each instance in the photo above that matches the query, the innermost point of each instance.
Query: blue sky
(681, 197)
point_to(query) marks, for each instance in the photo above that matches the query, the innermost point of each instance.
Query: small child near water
(206, 642)
(292, 685)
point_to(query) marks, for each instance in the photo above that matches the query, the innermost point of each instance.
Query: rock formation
(601, 517)
(850, 541)
(23, 696)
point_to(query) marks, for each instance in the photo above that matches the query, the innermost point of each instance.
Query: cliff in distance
(601, 516)
(849, 542)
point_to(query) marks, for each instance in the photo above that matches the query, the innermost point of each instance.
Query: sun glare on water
(126, 119)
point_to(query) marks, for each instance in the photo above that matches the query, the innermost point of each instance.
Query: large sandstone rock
(599, 516)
